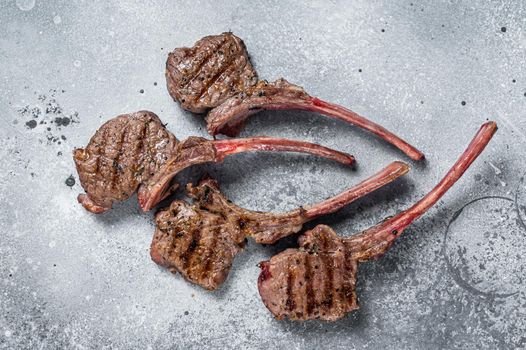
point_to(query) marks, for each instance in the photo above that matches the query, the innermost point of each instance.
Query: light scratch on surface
(512, 126)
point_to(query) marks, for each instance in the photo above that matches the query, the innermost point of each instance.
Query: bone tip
(491, 125)
(402, 167)
(417, 155)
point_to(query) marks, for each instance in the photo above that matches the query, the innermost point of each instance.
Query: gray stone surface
(70, 279)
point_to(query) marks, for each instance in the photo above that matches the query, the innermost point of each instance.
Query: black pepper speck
(463, 103)
(31, 124)
(503, 29)
(70, 181)
(62, 121)
(141, 91)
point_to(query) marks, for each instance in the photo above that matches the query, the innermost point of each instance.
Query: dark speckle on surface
(186, 313)
(70, 181)
(46, 110)
(31, 124)
(463, 103)
(154, 83)
(360, 70)
(62, 121)
(503, 29)
(141, 91)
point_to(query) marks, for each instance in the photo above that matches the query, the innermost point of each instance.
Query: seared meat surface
(317, 280)
(200, 240)
(203, 76)
(125, 152)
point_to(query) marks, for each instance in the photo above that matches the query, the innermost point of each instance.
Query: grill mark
(211, 253)
(311, 300)
(199, 68)
(233, 72)
(338, 301)
(243, 77)
(138, 153)
(327, 259)
(237, 77)
(195, 237)
(229, 63)
(148, 152)
(347, 290)
(289, 303)
(101, 149)
(115, 166)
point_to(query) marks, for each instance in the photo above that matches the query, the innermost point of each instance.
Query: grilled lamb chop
(317, 281)
(135, 151)
(216, 73)
(205, 75)
(200, 240)
(197, 150)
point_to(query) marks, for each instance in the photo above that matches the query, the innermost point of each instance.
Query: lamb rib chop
(317, 281)
(197, 150)
(216, 73)
(200, 240)
(135, 151)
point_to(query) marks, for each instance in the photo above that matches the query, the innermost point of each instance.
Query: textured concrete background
(454, 280)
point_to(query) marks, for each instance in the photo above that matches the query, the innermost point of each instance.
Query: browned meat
(125, 151)
(135, 151)
(229, 117)
(200, 240)
(197, 150)
(203, 76)
(317, 281)
(216, 73)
